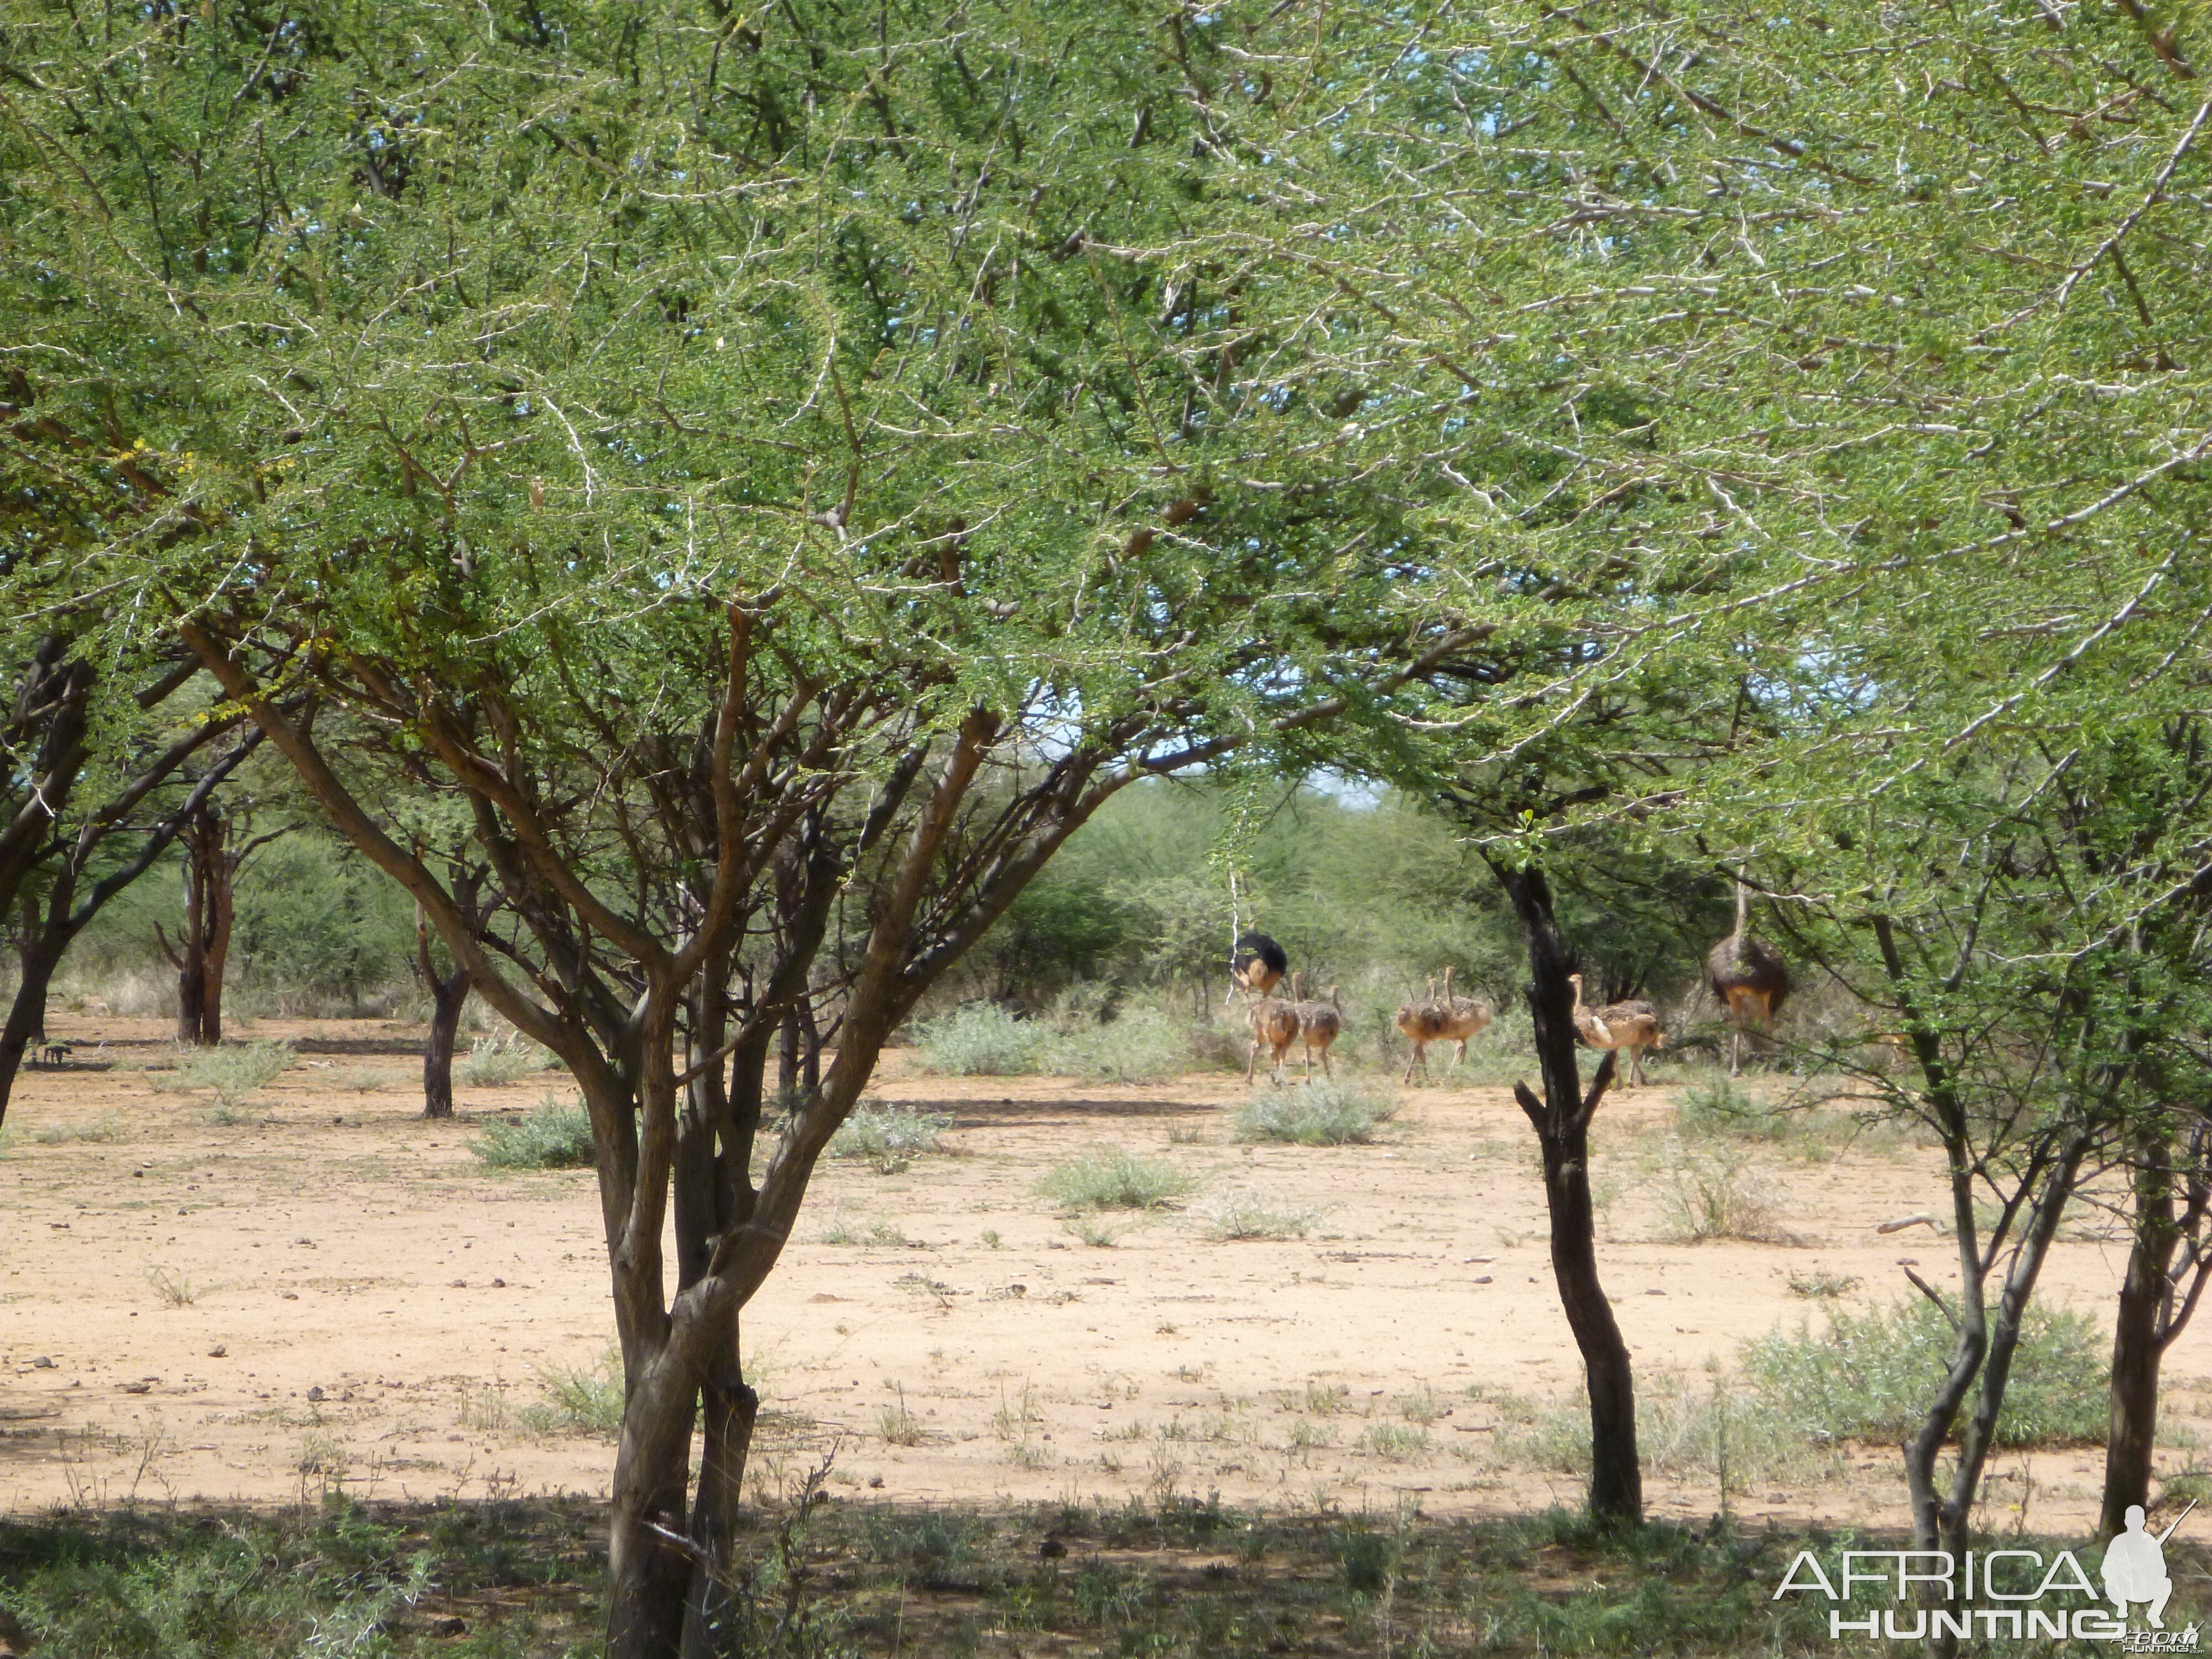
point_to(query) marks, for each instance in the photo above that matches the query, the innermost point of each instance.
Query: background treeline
(319, 935)
(1368, 890)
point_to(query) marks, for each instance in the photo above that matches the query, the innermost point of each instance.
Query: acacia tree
(757, 468)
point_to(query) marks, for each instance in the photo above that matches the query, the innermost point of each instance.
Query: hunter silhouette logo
(2135, 1566)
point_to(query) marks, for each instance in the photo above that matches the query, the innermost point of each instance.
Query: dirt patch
(335, 1292)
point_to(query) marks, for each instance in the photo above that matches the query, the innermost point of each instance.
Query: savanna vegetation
(740, 538)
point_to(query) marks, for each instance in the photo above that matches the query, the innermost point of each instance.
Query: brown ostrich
(1749, 977)
(1256, 964)
(1275, 1026)
(1630, 1025)
(1320, 1024)
(1445, 1019)
(1423, 1023)
(1464, 1017)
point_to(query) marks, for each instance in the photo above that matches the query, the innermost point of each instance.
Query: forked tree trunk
(202, 952)
(1561, 1120)
(1987, 1345)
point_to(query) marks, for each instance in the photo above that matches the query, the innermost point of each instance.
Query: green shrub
(1869, 1377)
(1109, 1178)
(1240, 1214)
(108, 1126)
(579, 1400)
(1324, 1114)
(489, 1064)
(1719, 1110)
(1140, 1046)
(234, 1071)
(890, 1138)
(984, 1040)
(1710, 1191)
(1366, 1559)
(981, 1039)
(882, 1232)
(1686, 1428)
(549, 1136)
(365, 1080)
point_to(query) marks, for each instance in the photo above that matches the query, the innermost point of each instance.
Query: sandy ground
(341, 1294)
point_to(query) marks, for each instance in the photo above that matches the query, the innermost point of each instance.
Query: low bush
(1686, 1428)
(234, 1071)
(1869, 1377)
(881, 1231)
(890, 1138)
(549, 1136)
(1240, 1214)
(1807, 1126)
(1325, 1114)
(1109, 1178)
(981, 1040)
(363, 1080)
(490, 1064)
(985, 1039)
(108, 1126)
(1140, 1046)
(579, 1400)
(1710, 1191)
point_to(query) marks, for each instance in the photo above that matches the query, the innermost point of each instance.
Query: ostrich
(1447, 1018)
(1256, 962)
(1319, 1023)
(1275, 1026)
(1749, 977)
(1464, 1017)
(1630, 1025)
(1423, 1024)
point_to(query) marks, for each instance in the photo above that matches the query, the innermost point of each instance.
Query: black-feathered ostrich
(1749, 977)
(1257, 963)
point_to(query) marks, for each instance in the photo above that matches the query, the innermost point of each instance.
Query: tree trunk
(189, 958)
(648, 1555)
(1561, 1120)
(222, 870)
(2138, 1340)
(27, 1017)
(810, 1038)
(448, 996)
(204, 944)
(714, 1193)
(731, 1410)
(1986, 1348)
(786, 1054)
